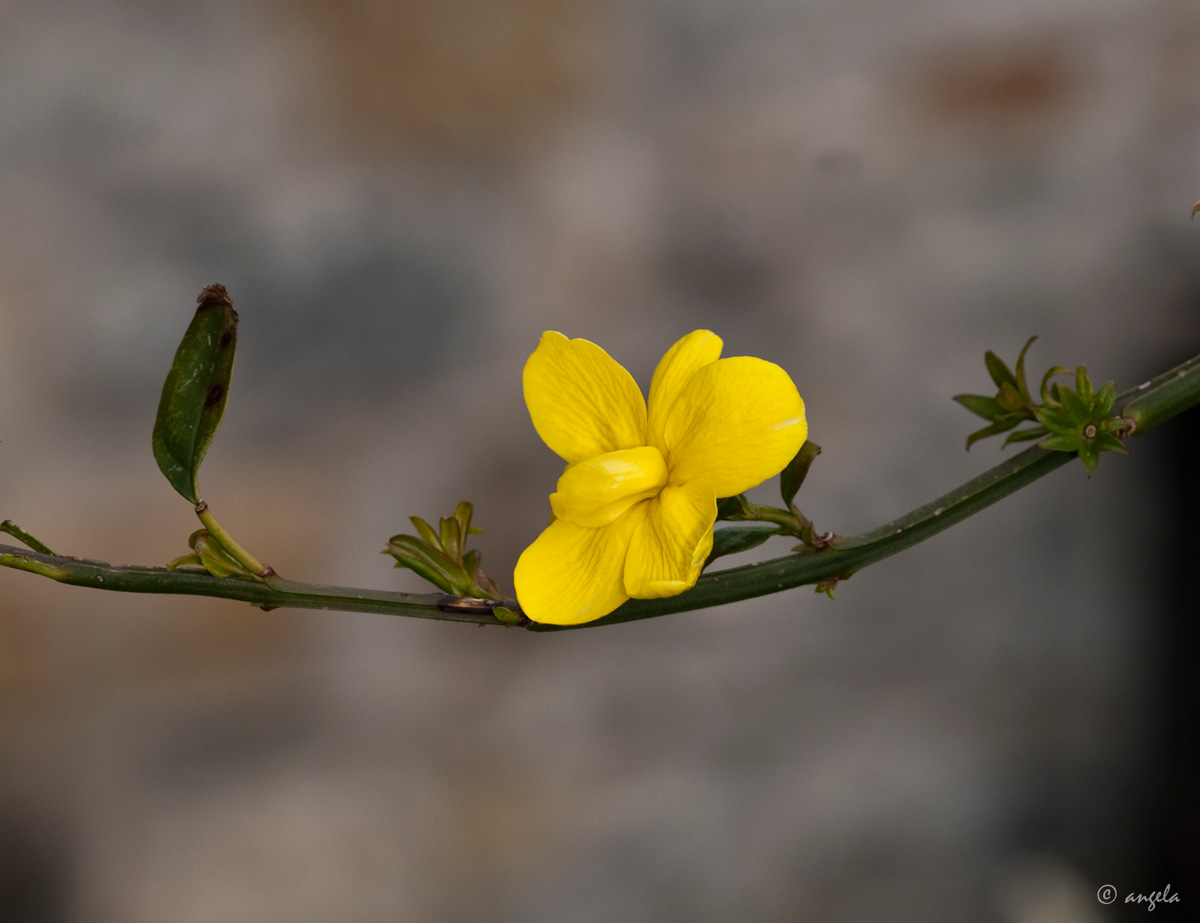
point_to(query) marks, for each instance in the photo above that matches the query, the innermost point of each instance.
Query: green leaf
(733, 539)
(1076, 406)
(1107, 442)
(998, 370)
(981, 406)
(1022, 386)
(452, 539)
(732, 507)
(213, 558)
(793, 475)
(1090, 456)
(1062, 442)
(1048, 396)
(425, 530)
(21, 535)
(195, 392)
(430, 563)
(1058, 421)
(1000, 426)
(1009, 399)
(1027, 435)
(193, 559)
(463, 513)
(488, 586)
(1083, 385)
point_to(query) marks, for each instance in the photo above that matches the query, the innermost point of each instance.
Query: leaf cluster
(1078, 420)
(208, 553)
(440, 555)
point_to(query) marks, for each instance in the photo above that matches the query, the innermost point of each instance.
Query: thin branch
(1146, 407)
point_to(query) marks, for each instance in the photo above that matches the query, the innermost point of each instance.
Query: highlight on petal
(583, 403)
(668, 550)
(737, 422)
(694, 351)
(595, 492)
(572, 574)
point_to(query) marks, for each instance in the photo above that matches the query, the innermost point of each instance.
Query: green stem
(232, 548)
(21, 535)
(789, 523)
(1161, 398)
(1147, 406)
(276, 594)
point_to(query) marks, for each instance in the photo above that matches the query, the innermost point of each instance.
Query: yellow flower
(635, 508)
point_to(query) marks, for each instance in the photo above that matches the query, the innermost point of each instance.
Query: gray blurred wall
(401, 197)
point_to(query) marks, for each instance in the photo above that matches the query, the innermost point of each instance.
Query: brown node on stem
(215, 294)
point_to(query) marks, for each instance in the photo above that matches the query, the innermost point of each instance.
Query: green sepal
(1083, 385)
(1061, 421)
(1062, 442)
(998, 370)
(441, 556)
(425, 530)
(462, 514)
(981, 406)
(1022, 385)
(1075, 404)
(1009, 399)
(488, 585)
(1050, 393)
(792, 477)
(1026, 435)
(733, 507)
(451, 535)
(207, 553)
(733, 539)
(195, 392)
(429, 563)
(1000, 426)
(183, 559)
(1089, 454)
(1106, 397)
(1107, 442)
(506, 616)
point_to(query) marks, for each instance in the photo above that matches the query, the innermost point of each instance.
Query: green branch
(1146, 406)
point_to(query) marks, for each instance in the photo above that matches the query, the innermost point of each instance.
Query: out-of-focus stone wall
(401, 197)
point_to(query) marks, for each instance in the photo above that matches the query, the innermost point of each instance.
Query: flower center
(595, 492)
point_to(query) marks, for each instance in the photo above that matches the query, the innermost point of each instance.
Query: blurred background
(401, 197)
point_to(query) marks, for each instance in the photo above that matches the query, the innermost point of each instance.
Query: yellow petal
(737, 422)
(697, 349)
(597, 491)
(668, 550)
(571, 574)
(583, 403)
